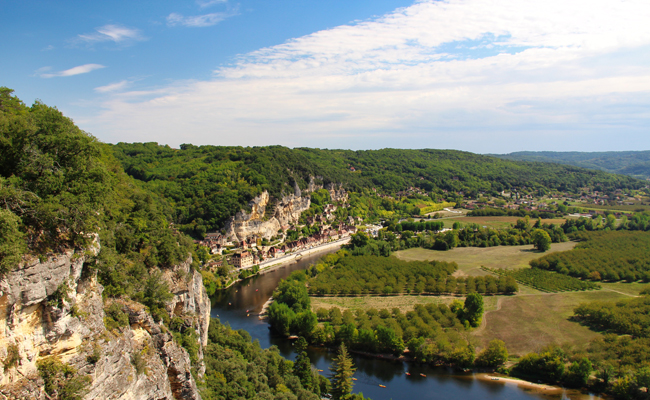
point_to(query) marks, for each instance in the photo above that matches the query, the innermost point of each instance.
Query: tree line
(539, 234)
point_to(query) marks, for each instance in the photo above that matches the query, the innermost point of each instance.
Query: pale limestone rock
(71, 332)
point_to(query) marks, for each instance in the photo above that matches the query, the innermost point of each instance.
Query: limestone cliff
(287, 211)
(54, 308)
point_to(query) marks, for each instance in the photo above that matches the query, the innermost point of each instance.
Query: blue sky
(478, 75)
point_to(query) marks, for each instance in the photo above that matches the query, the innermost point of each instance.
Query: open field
(528, 322)
(624, 208)
(496, 222)
(632, 289)
(470, 259)
(404, 303)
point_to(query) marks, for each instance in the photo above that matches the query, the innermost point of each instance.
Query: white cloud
(499, 71)
(81, 69)
(209, 3)
(112, 87)
(114, 33)
(198, 21)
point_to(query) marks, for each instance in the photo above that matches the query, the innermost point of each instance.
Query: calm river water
(247, 298)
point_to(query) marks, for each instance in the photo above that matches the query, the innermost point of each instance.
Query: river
(240, 305)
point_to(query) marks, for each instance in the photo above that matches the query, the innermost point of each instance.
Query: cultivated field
(404, 303)
(496, 222)
(528, 322)
(470, 259)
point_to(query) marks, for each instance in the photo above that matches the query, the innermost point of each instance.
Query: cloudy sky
(487, 76)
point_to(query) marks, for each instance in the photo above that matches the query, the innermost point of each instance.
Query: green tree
(343, 369)
(541, 240)
(473, 311)
(281, 317)
(578, 373)
(304, 323)
(294, 294)
(12, 245)
(493, 355)
(302, 365)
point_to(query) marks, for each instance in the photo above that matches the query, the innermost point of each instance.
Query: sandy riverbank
(538, 387)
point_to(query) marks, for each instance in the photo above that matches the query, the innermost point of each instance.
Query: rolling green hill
(205, 185)
(631, 163)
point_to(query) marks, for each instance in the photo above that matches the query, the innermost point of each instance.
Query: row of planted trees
(345, 274)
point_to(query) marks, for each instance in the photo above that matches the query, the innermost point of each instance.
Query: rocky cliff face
(287, 211)
(54, 309)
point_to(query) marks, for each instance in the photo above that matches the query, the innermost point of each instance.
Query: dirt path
(481, 328)
(616, 291)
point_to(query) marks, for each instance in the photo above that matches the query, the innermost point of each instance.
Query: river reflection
(241, 304)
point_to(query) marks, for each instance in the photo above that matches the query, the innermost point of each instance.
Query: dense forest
(205, 185)
(632, 163)
(237, 368)
(59, 184)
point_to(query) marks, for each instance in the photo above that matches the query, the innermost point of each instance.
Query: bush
(62, 379)
(494, 355)
(139, 363)
(115, 317)
(13, 356)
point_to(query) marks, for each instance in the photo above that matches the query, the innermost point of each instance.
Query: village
(259, 251)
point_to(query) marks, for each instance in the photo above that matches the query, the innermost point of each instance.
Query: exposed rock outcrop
(53, 308)
(265, 223)
(287, 211)
(190, 301)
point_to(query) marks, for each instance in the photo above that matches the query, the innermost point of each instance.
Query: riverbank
(536, 387)
(276, 263)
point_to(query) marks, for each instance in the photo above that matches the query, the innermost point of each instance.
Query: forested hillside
(206, 185)
(632, 163)
(59, 186)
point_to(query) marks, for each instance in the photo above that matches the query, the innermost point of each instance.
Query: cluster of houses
(409, 191)
(250, 252)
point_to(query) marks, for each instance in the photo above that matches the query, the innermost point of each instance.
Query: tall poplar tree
(343, 369)
(302, 365)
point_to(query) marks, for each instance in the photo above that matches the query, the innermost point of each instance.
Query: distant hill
(632, 163)
(206, 185)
